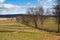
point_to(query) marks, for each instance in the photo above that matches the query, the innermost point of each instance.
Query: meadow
(12, 30)
(48, 24)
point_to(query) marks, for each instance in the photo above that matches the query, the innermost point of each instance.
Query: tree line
(35, 14)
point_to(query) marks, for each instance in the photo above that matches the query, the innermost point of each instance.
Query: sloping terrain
(17, 31)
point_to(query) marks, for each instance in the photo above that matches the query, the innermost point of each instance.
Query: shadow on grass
(11, 25)
(5, 31)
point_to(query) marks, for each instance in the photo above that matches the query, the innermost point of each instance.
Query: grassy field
(50, 24)
(17, 31)
(24, 36)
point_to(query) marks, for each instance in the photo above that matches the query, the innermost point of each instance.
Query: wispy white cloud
(9, 9)
(11, 6)
(44, 1)
(1, 1)
(49, 0)
(55, 4)
(45, 7)
(13, 9)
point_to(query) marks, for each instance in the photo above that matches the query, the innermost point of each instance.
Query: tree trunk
(58, 20)
(58, 24)
(58, 28)
(42, 22)
(35, 23)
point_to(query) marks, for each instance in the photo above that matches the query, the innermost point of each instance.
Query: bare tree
(40, 14)
(18, 19)
(36, 13)
(57, 13)
(32, 15)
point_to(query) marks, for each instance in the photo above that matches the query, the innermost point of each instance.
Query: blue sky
(20, 6)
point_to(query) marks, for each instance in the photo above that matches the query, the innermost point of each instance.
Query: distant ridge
(11, 15)
(15, 15)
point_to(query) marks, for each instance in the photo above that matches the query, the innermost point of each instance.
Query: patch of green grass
(24, 36)
(9, 28)
(51, 24)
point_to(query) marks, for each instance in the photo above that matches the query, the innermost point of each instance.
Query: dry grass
(16, 31)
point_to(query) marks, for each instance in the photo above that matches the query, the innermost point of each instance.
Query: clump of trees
(32, 16)
(36, 13)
